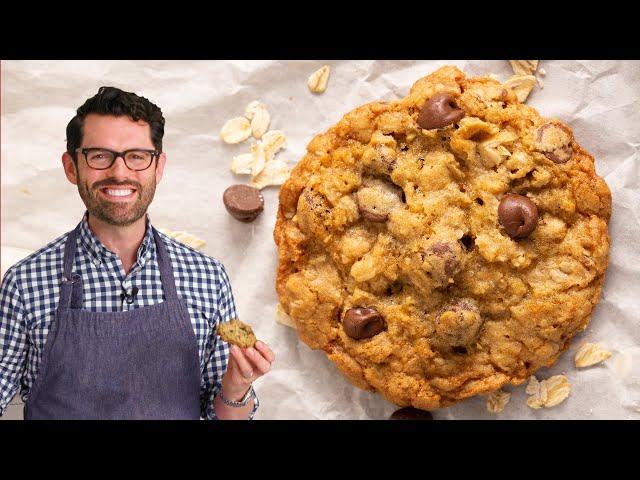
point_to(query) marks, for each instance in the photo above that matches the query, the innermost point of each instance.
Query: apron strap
(71, 285)
(70, 252)
(166, 271)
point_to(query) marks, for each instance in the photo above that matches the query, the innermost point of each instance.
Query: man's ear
(160, 166)
(70, 168)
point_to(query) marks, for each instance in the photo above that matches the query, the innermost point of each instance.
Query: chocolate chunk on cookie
(237, 333)
(360, 323)
(439, 111)
(518, 215)
(243, 202)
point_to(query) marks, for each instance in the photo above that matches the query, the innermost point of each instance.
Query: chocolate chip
(439, 111)
(410, 413)
(518, 215)
(243, 202)
(360, 323)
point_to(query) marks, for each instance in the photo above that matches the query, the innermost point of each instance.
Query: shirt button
(96, 262)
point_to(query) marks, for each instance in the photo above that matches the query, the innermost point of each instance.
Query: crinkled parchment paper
(600, 100)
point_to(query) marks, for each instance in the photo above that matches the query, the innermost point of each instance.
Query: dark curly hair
(113, 101)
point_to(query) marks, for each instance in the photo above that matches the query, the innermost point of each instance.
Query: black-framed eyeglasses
(102, 158)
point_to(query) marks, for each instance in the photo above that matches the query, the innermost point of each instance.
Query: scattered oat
(521, 86)
(542, 72)
(184, 237)
(540, 83)
(273, 141)
(318, 80)
(275, 172)
(236, 130)
(259, 160)
(524, 67)
(589, 354)
(26, 191)
(242, 164)
(496, 401)
(260, 120)
(533, 386)
(549, 392)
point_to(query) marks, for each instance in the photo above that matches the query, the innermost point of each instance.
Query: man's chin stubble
(102, 213)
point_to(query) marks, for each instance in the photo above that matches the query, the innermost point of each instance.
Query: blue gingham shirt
(30, 292)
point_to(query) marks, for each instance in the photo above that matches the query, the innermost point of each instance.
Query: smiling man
(115, 320)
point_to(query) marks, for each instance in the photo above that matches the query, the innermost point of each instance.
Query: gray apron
(139, 364)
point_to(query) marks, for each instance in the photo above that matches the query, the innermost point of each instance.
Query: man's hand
(245, 366)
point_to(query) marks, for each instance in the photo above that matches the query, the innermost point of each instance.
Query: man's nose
(119, 167)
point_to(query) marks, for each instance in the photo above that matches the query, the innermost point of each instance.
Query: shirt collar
(96, 249)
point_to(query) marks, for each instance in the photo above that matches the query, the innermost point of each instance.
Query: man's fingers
(243, 365)
(266, 352)
(258, 361)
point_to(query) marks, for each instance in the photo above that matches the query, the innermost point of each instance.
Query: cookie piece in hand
(237, 333)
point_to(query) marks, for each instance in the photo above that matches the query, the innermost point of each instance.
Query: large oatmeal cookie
(442, 245)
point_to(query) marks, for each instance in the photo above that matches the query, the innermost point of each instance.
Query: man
(115, 320)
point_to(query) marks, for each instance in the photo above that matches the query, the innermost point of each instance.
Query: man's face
(102, 190)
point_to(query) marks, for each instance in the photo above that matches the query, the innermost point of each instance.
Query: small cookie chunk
(237, 333)
(243, 202)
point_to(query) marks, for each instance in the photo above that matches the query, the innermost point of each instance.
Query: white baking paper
(600, 100)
